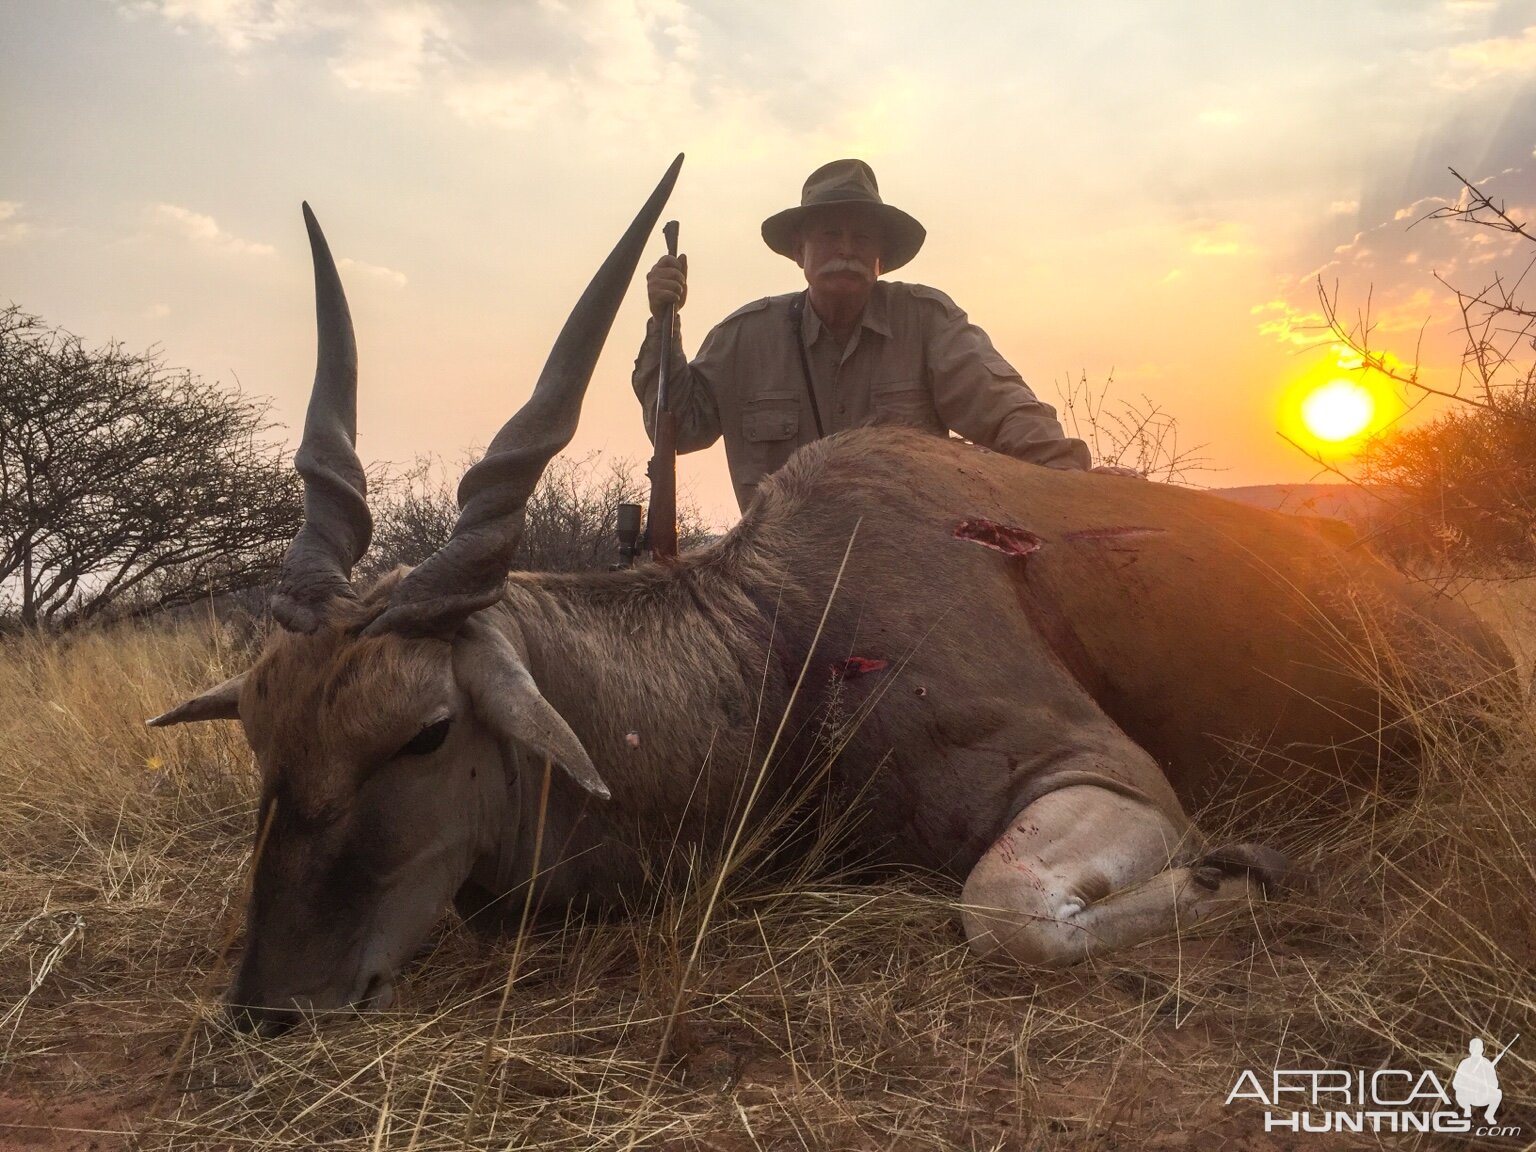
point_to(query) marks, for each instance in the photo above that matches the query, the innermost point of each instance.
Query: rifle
(1507, 1047)
(661, 520)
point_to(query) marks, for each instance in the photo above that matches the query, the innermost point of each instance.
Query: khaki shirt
(913, 359)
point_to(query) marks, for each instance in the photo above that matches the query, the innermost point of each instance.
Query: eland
(1034, 679)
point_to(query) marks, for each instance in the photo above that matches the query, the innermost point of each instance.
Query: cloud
(1289, 323)
(238, 25)
(1394, 279)
(1343, 207)
(1423, 206)
(504, 101)
(1484, 247)
(374, 271)
(157, 311)
(12, 230)
(394, 49)
(1220, 117)
(1221, 240)
(203, 230)
(614, 63)
(1469, 65)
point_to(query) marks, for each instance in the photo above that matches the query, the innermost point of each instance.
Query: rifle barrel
(661, 520)
(1506, 1048)
(668, 323)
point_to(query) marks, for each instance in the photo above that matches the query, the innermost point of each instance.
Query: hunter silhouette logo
(1476, 1082)
(1385, 1100)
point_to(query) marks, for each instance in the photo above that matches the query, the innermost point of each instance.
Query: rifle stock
(661, 518)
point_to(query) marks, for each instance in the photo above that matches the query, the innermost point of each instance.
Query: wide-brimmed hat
(847, 182)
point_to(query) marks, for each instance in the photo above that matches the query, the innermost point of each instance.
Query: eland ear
(504, 695)
(221, 703)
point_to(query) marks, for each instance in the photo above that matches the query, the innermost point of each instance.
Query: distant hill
(1353, 503)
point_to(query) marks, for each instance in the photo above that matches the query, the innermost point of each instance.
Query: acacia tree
(127, 486)
(569, 519)
(1463, 485)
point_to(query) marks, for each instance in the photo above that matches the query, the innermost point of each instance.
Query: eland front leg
(1084, 870)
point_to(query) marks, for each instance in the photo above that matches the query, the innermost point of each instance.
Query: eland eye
(429, 739)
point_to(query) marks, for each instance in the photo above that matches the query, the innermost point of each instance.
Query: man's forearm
(982, 396)
(1032, 432)
(647, 375)
(987, 402)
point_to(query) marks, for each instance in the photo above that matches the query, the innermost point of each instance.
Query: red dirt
(82, 1124)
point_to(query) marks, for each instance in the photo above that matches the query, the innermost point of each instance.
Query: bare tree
(1496, 325)
(570, 516)
(127, 486)
(1460, 488)
(1133, 435)
(414, 509)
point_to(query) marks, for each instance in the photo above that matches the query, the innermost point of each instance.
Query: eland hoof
(1268, 867)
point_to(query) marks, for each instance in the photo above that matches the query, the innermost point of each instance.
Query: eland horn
(318, 565)
(467, 573)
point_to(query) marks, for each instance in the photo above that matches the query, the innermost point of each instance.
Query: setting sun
(1338, 410)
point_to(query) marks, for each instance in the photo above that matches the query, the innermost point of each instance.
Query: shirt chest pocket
(771, 416)
(903, 402)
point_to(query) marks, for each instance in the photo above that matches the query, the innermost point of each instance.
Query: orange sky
(1141, 191)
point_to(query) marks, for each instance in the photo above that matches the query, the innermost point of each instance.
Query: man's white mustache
(838, 264)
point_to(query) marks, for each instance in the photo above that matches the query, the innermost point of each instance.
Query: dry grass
(822, 1014)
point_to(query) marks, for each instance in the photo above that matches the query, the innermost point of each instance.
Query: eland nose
(379, 993)
(264, 1022)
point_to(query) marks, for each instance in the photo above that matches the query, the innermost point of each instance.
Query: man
(850, 350)
(1476, 1082)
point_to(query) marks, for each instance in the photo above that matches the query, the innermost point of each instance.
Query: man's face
(840, 250)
